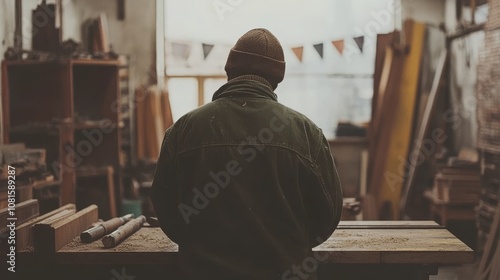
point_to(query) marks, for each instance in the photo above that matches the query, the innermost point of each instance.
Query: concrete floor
(464, 272)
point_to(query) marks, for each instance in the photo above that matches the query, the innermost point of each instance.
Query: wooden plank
(24, 232)
(424, 246)
(23, 211)
(392, 174)
(168, 119)
(5, 104)
(380, 127)
(48, 238)
(388, 223)
(67, 171)
(423, 130)
(491, 255)
(140, 95)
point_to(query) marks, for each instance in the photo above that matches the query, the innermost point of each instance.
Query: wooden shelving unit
(69, 107)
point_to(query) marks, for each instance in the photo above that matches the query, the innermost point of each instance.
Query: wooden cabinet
(72, 109)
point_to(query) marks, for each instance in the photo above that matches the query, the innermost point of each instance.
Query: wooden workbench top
(367, 245)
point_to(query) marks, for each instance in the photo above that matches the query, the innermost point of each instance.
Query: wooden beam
(24, 232)
(423, 130)
(52, 236)
(22, 212)
(466, 31)
(399, 106)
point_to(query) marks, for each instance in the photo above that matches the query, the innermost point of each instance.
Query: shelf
(44, 103)
(91, 171)
(41, 128)
(41, 185)
(95, 62)
(96, 124)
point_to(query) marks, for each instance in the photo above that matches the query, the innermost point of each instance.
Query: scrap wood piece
(23, 212)
(117, 236)
(24, 233)
(50, 237)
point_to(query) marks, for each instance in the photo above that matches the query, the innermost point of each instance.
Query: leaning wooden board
(391, 176)
(345, 246)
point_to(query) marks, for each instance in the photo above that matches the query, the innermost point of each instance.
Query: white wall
(134, 36)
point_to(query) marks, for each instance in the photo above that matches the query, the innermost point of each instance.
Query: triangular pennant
(339, 45)
(319, 49)
(360, 41)
(207, 48)
(181, 50)
(298, 51)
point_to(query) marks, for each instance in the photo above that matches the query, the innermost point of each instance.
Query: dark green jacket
(246, 186)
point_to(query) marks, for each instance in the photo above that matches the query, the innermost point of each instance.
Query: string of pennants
(183, 50)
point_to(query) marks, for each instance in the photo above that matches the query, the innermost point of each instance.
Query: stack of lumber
(49, 232)
(28, 168)
(489, 199)
(458, 184)
(52, 233)
(22, 212)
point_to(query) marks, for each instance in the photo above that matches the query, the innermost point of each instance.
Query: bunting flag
(181, 50)
(319, 49)
(298, 51)
(360, 41)
(207, 48)
(339, 45)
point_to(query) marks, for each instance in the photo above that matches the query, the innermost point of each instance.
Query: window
(327, 86)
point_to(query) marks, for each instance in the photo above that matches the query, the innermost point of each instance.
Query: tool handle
(104, 228)
(117, 236)
(92, 234)
(111, 225)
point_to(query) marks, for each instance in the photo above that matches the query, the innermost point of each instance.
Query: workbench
(356, 250)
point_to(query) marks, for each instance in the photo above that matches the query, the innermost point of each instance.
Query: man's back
(245, 185)
(252, 195)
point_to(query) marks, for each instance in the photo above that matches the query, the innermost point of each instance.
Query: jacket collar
(248, 85)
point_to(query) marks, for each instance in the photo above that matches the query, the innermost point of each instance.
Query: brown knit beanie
(257, 52)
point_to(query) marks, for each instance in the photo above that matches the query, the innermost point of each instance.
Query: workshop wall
(139, 23)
